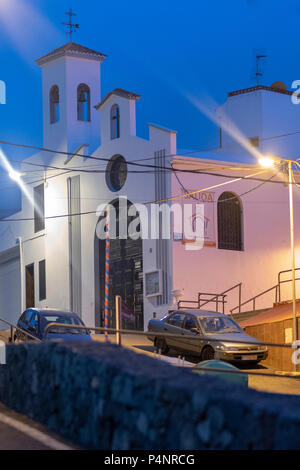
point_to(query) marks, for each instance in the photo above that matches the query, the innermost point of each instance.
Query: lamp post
(291, 202)
(268, 162)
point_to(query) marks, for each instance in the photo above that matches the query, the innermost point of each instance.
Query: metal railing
(276, 288)
(196, 304)
(196, 337)
(156, 334)
(212, 298)
(224, 294)
(151, 333)
(16, 328)
(286, 280)
(215, 298)
(254, 299)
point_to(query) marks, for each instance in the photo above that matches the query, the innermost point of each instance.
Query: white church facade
(58, 259)
(50, 254)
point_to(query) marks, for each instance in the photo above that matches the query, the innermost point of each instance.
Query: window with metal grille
(39, 208)
(230, 233)
(42, 279)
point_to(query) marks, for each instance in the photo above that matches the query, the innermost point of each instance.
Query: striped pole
(107, 248)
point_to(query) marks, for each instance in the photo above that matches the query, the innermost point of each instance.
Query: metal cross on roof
(71, 28)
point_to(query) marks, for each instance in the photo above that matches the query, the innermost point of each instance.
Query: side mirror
(195, 330)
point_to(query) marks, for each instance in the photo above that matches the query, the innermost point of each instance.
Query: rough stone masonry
(102, 396)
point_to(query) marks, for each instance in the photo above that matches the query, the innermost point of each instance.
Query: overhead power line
(22, 219)
(104, 159)
(155, 167)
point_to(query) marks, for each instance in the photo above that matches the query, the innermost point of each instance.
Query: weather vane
(71, 28)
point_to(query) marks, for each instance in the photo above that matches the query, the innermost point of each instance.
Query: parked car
(198, 329)
(34, 322)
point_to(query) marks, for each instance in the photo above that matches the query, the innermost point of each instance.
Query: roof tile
(71, 49)
(119, 92)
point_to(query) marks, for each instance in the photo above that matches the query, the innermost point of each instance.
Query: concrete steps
(246, 315)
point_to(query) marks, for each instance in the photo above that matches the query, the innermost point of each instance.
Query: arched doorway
(125, 279)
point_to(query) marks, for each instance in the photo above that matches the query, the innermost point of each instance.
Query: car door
(27, 323)
(21, 324)
(191, 340)
(34, 324)
(173, 325)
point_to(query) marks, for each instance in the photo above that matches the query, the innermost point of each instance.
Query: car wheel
(207, 354)
(161, 345)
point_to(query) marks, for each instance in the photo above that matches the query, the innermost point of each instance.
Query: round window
(116, 173)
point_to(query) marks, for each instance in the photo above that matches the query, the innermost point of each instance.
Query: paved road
(17, 432)
(278, 384)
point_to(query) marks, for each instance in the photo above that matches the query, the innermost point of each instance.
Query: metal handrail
(12, 327)
(181, 303)
(287, 280)
(214, 299)
(277, 288)
(156, 334)
(188, 302)
(202, 369)
(253, 299)
(239, 285)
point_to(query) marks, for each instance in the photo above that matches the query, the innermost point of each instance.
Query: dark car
(34, 322)
(208, 335)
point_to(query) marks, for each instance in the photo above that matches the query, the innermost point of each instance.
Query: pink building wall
(266, 239)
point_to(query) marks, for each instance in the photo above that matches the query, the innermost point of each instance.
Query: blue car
(34, 322)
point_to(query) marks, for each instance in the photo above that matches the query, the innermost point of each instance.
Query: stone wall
(102, 396)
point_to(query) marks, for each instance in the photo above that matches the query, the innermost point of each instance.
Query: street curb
(287, 374)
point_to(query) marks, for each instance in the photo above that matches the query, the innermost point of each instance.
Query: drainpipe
(20, 241)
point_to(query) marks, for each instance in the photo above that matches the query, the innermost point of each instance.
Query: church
(50, 252)
(53, 257)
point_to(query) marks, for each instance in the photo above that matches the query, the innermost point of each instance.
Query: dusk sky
(162, 50)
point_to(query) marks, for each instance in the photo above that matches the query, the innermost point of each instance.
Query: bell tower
(71, 88)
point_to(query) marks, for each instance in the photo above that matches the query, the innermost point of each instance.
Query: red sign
(127, 314)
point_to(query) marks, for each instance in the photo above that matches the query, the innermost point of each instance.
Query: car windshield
(212, 325)
(64, 320)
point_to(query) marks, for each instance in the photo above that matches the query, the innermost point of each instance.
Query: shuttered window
(230, 233)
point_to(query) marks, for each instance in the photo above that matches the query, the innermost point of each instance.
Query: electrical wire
(234, 197)
(103, 159)
(145, 203)
(191, 193)
(162, 169)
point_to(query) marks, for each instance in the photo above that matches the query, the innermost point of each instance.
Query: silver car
(210, 335)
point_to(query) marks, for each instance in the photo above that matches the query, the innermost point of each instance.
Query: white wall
(263, 113)
(69, 133)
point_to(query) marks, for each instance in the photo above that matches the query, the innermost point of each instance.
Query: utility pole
(292, 234)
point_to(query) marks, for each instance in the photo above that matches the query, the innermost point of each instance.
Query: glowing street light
(269, 162)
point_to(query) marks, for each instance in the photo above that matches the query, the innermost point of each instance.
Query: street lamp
(269, 162)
